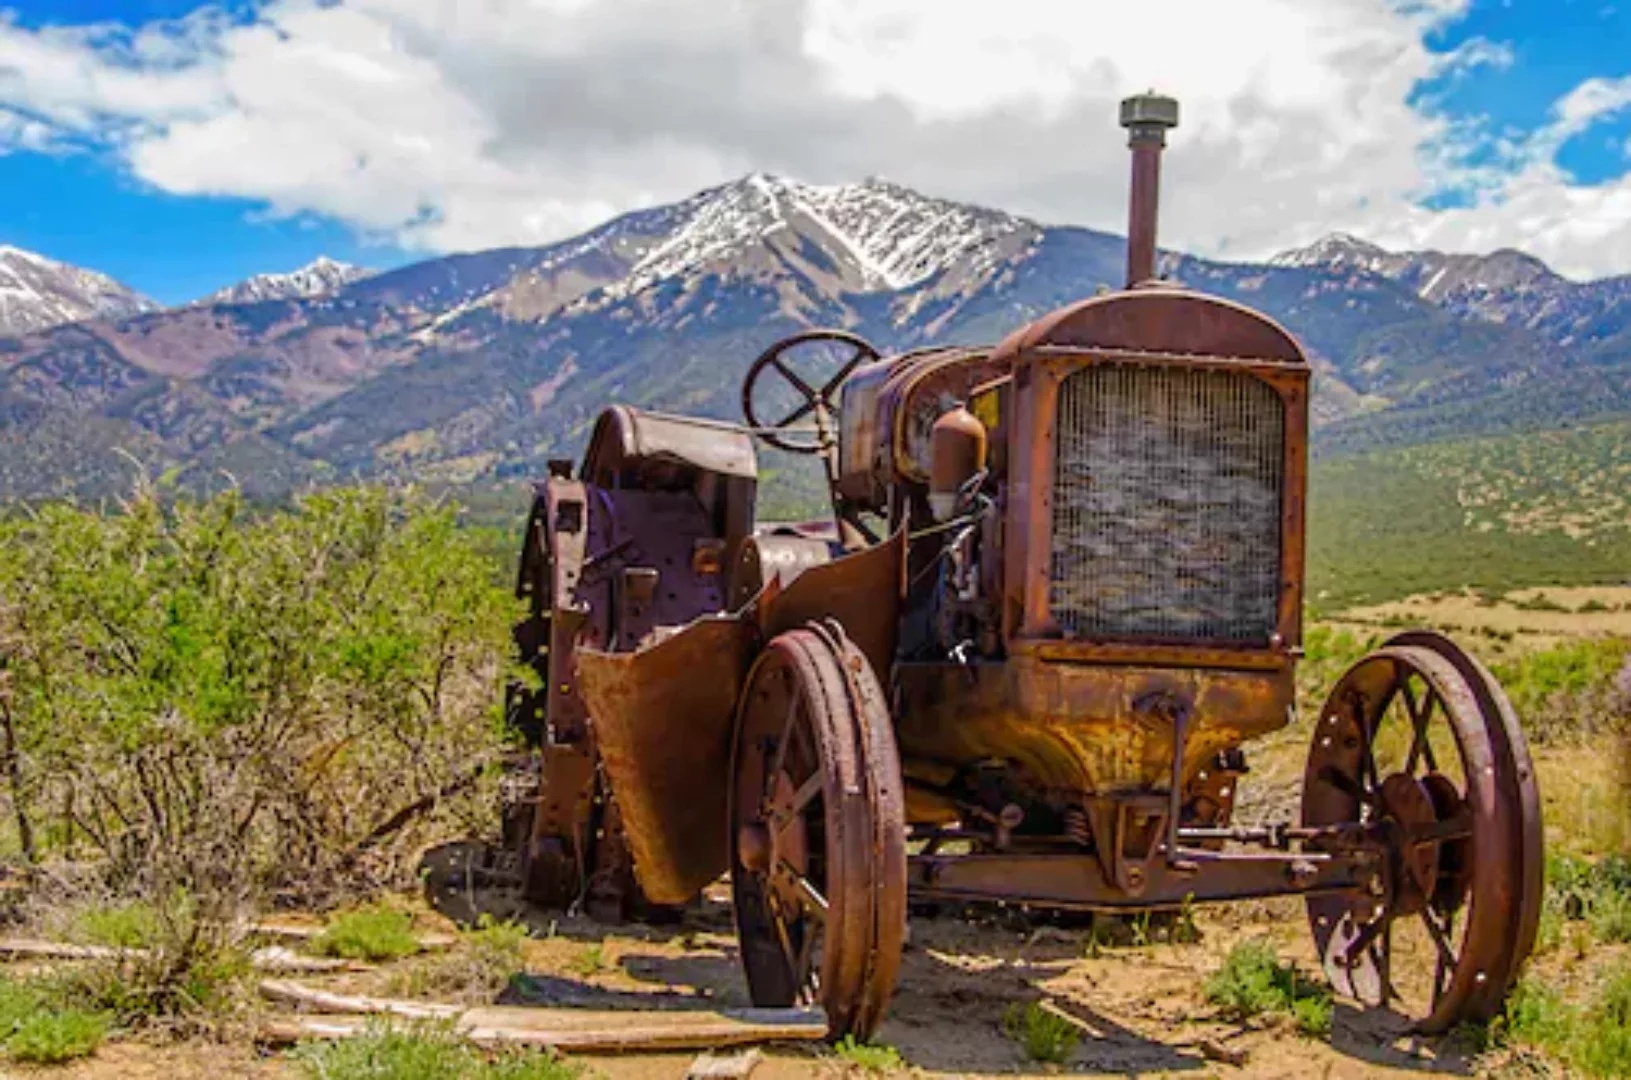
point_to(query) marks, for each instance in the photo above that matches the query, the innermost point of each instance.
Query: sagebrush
(198, 694)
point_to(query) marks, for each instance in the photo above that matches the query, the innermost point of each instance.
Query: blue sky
(180, 154)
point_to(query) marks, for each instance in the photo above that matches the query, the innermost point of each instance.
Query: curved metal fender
(664, 715)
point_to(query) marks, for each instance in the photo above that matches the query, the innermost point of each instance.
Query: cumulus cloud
(456, 124)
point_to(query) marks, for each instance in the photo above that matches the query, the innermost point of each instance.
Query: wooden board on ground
(578, 1030)
(273, 958)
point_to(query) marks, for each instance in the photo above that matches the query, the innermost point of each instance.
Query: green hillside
(1496, 513)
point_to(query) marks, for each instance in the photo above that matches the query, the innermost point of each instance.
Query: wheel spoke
(803, 797)
(1366, 938)
(786, 943)
(779, 761)
(797, 414)
(814, 901)
(1447, 959)
(1421, 748)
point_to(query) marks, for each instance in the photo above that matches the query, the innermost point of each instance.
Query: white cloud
(447, 124)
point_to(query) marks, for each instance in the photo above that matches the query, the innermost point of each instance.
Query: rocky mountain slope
(320, 277)
(480, 366)
(37, 293)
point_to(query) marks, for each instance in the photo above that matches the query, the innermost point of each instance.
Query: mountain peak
(317, 278)
(878, 234)
(37, 293)
(1333, 249)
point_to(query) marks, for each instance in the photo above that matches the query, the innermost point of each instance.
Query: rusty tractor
(1061, 585)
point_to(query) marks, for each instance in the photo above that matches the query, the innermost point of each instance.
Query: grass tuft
(1044, 1035)
(422, 1052)
(869, 1057)
(371, 934)
(1253, 982)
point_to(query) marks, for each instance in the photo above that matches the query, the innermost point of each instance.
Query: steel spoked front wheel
(818, 840)
(1418, 746)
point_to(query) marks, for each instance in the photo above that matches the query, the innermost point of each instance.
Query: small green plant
(1253, 982)
(1044, 1034)
(422, 1052)
(37, 1025)
(1139, 926)
(1184, 929)
(591, 960)
(52, 1036)
(483, 962)
(372, 934)
(133, 924)
(869, 1057)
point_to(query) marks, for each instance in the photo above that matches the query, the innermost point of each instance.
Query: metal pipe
(1146, 118)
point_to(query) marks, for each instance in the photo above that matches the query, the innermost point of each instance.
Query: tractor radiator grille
(1166, 511)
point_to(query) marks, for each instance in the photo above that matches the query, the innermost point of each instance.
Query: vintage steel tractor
(1062, 584)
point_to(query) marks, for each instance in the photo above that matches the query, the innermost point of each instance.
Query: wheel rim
(818, 864)
(1412, 745)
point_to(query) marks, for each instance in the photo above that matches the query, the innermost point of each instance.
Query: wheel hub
(1407, 805)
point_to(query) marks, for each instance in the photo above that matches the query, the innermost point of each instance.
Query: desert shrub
(1253, 982)
(1044, 1035)
(1573, 690)
(869, 1057)
(1585, 895)
(373, 934)
(422, 1052)
(207, 698)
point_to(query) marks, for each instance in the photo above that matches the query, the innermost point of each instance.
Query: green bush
(1253, 982)
(212, 697)
(422, 1052)
(371, 934)
(1044, 1034)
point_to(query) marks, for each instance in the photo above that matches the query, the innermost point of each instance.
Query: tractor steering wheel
(816, 399)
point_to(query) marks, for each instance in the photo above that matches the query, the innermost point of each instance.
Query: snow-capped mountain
(874, 236)
(319, 277)
(1505, 286)
(37, 293)
(487, 364)
(1435, 275)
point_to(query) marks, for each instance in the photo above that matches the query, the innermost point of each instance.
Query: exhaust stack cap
(1149, 114)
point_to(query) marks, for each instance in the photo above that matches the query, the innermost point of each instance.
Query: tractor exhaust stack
(1146, 118)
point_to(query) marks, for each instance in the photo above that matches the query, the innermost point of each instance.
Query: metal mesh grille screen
(1166, 513)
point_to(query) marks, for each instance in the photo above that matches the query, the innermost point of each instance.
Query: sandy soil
(1464, 612)
(1140, 1009)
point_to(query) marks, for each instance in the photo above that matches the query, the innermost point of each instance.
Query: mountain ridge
(484, 364)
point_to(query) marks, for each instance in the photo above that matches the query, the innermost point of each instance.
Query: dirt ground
(1139, 1007)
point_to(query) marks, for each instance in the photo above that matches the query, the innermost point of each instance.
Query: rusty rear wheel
(1418, 744)
(818, 838)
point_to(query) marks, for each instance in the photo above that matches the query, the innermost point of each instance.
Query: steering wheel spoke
(817, 395)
